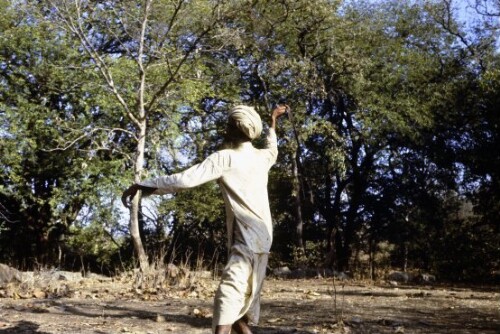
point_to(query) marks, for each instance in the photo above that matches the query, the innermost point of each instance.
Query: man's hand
(277, 112)
(129, 194)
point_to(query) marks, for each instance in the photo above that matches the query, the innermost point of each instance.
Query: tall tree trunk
(134, 211)
(332, 214)
(141, 145)
(298, 189)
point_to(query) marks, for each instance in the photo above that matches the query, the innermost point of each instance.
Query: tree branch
(445, 21)
(140, 54)
(86, 135)
(4, 216)
(481, 7)
(77, 29)
(173, 74)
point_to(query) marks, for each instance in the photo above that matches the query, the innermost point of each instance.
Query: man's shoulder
(221, 158)
(222, 152)
(228, 155)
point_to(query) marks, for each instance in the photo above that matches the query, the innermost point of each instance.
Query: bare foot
(223, 329)
(241, 327)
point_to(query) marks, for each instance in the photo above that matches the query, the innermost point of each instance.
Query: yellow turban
(247, 120)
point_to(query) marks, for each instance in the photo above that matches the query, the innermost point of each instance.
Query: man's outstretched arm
(208, 170)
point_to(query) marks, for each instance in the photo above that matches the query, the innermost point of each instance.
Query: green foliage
(195, 220)
(92, 248)
(52, 162)
(394, 105)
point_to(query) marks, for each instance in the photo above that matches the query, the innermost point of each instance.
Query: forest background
(391, 159)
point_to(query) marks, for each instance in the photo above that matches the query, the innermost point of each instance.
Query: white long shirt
(242, 174)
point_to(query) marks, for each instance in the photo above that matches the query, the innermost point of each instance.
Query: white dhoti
(239, 291)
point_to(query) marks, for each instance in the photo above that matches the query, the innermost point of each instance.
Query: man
(242, 172)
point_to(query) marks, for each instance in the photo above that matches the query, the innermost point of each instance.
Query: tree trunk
(371, 259)
(141, 145)
(134, 211)
(332, 215)
(405, 256)
(298, 189)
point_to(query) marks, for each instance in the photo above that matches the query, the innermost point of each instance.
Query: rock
(172, 271)
(177, 275)
(282, 272)
(201, 313)
(356, 320)
(495, 276)
(309, 273)
(342, 275)
(97, 277)
(274, 320)
(38, 293)
(298, 273)
(399, 329)
(425, 278)
(69, 275)
(9, 274)
(324, 273)
(398, 276)
(203, 274)
(305, 273)
(390, 322)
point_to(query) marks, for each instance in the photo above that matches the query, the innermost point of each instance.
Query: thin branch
(78, 30)
(173, 75)
(67, 146)
(142, 73)
(5, 216)
(171, 23)
(264, 87)
(170, 26)
(86, 135)
(111, 32)
(481, 7)
(111, 237)
(120, 21)
(445, 22)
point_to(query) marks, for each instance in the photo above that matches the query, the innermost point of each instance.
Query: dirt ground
(303, 306)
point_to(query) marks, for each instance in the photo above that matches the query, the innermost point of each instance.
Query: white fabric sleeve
(198, 174)
(272, 146)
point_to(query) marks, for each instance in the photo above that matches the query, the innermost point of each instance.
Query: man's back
(244, 185)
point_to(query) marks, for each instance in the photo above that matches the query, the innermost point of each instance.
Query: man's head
(243, 124)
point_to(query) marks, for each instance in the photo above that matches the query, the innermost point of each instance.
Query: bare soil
(288, 306)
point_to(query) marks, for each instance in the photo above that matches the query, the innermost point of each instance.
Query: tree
(43, 99)
(393, 104)
(143, 51)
